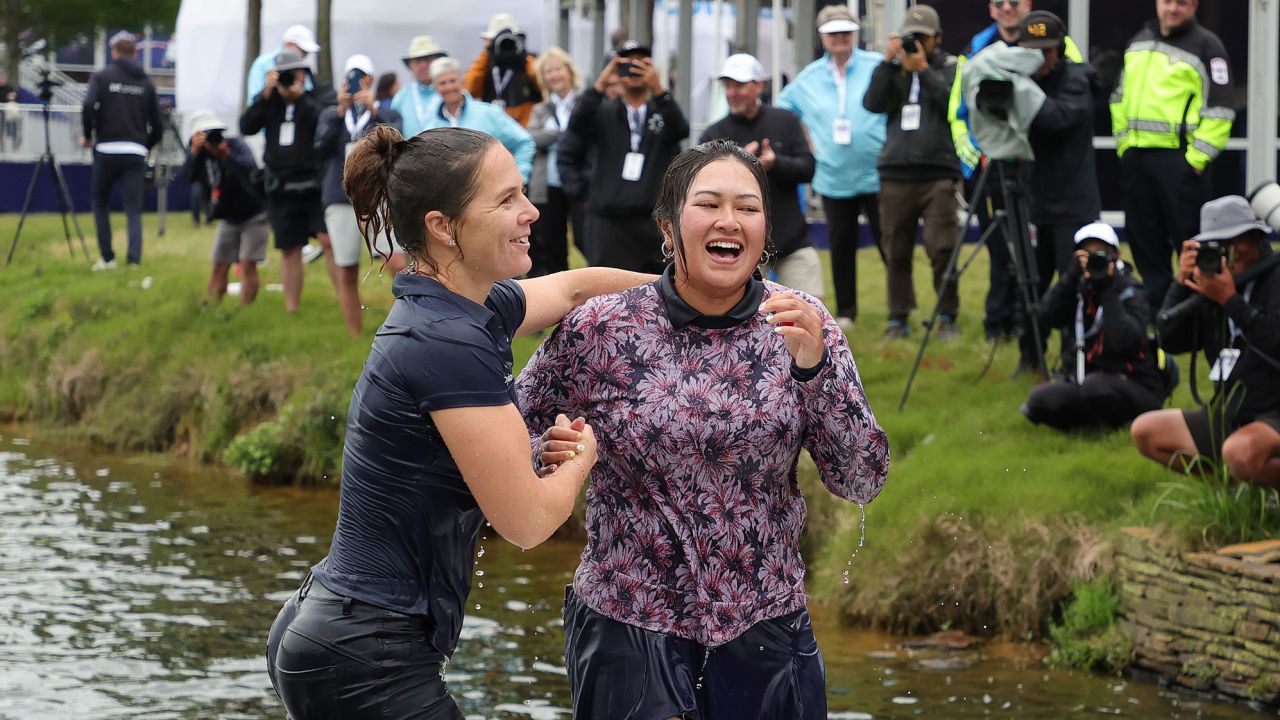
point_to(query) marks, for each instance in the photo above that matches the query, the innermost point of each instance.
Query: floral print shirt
(693, 512)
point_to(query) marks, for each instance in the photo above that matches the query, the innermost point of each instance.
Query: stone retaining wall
(1207, 621)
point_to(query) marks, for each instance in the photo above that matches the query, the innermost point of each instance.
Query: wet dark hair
(393, 183)
(679, 178)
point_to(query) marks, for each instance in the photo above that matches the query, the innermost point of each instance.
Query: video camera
(996, 97)
(509, 49)
(46, 85)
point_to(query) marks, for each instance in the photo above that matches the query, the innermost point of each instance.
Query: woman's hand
(567, 441)
(799, 324)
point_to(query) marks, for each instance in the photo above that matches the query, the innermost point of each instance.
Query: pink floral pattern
(694, 514)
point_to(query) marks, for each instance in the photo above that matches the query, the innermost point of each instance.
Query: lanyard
(1080, 357)
(838, 74)
(915, 89)
(1231, 324)
(355, 128)
(501, 80)
(635, 120)
(418, 108)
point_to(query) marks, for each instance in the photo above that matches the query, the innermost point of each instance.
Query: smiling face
(1173, 13)
(743, 97)
(722, 230)
(1008, 15)
(493, 233)
(838, 43)
(449, 87)
(557, 77)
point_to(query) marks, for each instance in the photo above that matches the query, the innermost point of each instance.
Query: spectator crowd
(911, 141)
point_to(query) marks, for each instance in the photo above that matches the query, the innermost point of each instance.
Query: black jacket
(1064, 187)
(920, 155)
(121, 106)
(227, 182)
(1206, 329)
(602, 125)
(332, 136)
(1116, 345)
(576, 163)
(295, 167)
(794, 165)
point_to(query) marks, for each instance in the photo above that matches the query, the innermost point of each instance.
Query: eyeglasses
(1001, 3)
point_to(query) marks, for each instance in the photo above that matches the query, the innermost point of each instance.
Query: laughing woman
(434, 444)
(704, 386)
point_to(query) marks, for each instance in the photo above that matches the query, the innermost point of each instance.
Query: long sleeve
(542, 389)
(884, 93)
(516, 139)
(1261, 326)
(571, 161)
(1125, 316)
(329, 135)
(473, 82)
(1215, 111)
(1057, 307)
(1070, 108)
(254, 117)
(155, 120)
(935, 86)
(1178, 336)
(583, 119)
(675, 127)
(799, 166)
(849, 447)
(543, 137)
(89, 111)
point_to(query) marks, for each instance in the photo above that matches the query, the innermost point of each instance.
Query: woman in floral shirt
(703, 387)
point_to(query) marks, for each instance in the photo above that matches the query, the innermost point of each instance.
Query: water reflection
(130, 588)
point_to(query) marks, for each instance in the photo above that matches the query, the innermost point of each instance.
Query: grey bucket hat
(1227, 218)
(290, 60)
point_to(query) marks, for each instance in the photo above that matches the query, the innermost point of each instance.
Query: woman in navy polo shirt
(434, 443)
(706, 384)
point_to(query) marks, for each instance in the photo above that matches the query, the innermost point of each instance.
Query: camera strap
(1080, 336)
(501, 79)
(355, 128)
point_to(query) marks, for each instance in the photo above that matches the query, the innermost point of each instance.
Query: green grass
(1088, 638)
(985, 524)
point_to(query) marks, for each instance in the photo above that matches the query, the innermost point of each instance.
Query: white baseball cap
(743, 68)
(301, 36)
(1098, 231)
(500, 22)
(359, 62)
(836, 19)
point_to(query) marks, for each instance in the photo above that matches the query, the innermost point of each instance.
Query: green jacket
(1175, 92)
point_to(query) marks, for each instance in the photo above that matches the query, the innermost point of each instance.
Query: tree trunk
(252, 42)
(324, 69)
(11, 18)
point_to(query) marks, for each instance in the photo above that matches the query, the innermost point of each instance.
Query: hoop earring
(765, 258)
(668, 251)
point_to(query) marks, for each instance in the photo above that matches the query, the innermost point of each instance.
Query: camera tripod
(162, 171)
(60, 183)
(1014, 221)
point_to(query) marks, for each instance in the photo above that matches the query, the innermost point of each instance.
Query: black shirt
(794, 165)
(293, 165)
(407, 522)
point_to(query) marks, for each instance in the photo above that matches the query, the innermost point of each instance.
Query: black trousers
(549, 244)
(628, 242)
(129, 172)
(334, 658)
(1054, 253)
(842, 235)
(1162, 199)
(1105, 400)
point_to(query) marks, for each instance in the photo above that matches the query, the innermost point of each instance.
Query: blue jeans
(128, 171)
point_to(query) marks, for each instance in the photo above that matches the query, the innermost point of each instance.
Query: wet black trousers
(332, 657)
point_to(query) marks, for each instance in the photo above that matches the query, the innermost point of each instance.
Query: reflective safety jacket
(958, 111)
(1175, 92)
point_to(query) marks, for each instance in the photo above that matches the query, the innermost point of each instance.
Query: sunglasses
(1002, 3)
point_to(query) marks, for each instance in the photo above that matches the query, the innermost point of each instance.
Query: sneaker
(104, 265)
(897, 329)
(311, 253)
(947, 329)
(845, 323)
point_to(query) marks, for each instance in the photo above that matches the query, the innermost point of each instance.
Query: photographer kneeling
(1226, 304)
(1109, 374)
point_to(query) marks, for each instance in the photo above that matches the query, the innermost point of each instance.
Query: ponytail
(366, 178)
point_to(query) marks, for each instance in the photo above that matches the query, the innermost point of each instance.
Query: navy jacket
(121, 106)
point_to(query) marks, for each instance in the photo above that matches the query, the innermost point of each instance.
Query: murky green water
(130, 588)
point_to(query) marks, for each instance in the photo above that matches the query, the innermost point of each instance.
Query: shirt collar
(681, 313)
(407, 286)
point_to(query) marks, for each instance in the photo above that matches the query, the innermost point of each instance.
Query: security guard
(1171, 115)
(1001, 303)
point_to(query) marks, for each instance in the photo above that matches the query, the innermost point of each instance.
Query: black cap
(632, 47)
(1041, 29)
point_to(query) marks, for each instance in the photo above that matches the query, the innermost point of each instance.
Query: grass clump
(1088, 637)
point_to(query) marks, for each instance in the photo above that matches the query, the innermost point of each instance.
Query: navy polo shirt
(407, 523)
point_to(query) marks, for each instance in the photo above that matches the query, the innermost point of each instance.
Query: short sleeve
(506, 300)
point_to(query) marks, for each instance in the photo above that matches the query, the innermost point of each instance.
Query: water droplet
(477, 606)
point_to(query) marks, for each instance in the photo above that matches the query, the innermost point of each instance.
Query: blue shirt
(413, 102)
(257, 77)
(407, 523)
(487, 118)
(843, 171)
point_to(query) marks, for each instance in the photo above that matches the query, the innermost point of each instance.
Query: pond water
(134, 588)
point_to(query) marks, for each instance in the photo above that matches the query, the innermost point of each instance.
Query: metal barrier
(22, 136)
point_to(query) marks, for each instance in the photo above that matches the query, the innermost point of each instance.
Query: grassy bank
(985, 524)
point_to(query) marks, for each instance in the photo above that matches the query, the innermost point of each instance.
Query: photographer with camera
(634, 138)
(357, 113)
(504, 73)
(121, 122)
(1226, 304)
(919, 172)
(221, 167)
(1109, 374)
(298, 39)
(289, 113)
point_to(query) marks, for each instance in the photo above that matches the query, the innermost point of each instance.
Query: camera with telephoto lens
(996, 97)
(508, 49)
(1209, 257)
(214, 138)
(285, 79)
(910, 43)
(1097, 263)
(1265, 201)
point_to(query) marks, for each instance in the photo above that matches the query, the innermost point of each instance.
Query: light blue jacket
(257, 78)
(843, 170)
(489, 119)
(403, 103)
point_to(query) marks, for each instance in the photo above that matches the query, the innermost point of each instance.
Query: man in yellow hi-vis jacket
(1171, 114)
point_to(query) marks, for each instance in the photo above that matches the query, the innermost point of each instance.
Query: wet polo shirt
(407, 523)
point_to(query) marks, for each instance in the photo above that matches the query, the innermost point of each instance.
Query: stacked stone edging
(1202, 620)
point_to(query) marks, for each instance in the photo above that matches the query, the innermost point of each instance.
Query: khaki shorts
(241, 242)
(345, 238)
(802, 270)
